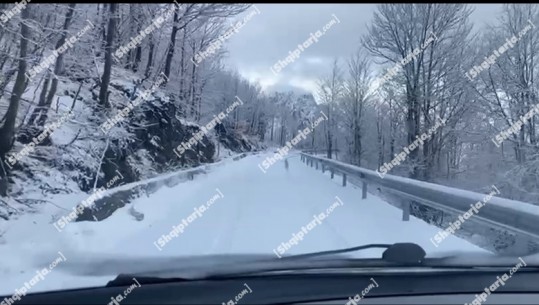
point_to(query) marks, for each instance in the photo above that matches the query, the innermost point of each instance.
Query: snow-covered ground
(251, 212)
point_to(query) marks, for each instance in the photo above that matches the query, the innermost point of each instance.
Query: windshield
(148, 138)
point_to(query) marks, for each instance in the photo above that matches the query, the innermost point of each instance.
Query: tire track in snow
(229, 225)
(340, 241)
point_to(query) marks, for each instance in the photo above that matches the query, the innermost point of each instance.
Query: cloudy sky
(278, 29)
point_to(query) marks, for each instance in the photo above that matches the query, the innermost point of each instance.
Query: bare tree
(39, 116)
(354, 100)
(7, 131)
(330, 90)
(105, 78)
(412, 35)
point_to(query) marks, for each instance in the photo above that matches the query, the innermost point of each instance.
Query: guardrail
(513, 215)
(120, 196)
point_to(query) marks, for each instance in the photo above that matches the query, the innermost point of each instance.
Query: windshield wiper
(405, 253)
(127, 280)
(154, 270)
(398, 254)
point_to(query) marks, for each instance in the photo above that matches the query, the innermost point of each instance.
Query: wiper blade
(316, 254)
(151, 269)
(127, 280)
(405, 253)
(395, 255)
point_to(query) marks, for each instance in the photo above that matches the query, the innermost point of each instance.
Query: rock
(138, 215)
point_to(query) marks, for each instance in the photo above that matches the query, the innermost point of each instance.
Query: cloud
(279, 28)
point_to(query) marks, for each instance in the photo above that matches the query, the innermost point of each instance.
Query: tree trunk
(138, 49)
(413, 130)
(150, 58)
(329, 135)
(103, 28)
(105, 79)
(38, 110)
(172, 43)
(182, 68)
(138, 55)
(7, 132)
(192, 91)
(272, 127)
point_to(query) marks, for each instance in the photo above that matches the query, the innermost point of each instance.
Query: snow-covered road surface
(250, 212)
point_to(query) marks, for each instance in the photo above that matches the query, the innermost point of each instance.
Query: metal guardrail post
(343, 179)
(364, 190)
(406, 211)
(316, 165)
(323, 168)
(363, 186)
(332, 173)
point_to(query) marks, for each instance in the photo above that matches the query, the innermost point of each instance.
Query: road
(279, 212)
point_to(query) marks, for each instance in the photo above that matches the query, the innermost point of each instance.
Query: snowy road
(259, 211)
(250, 212)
